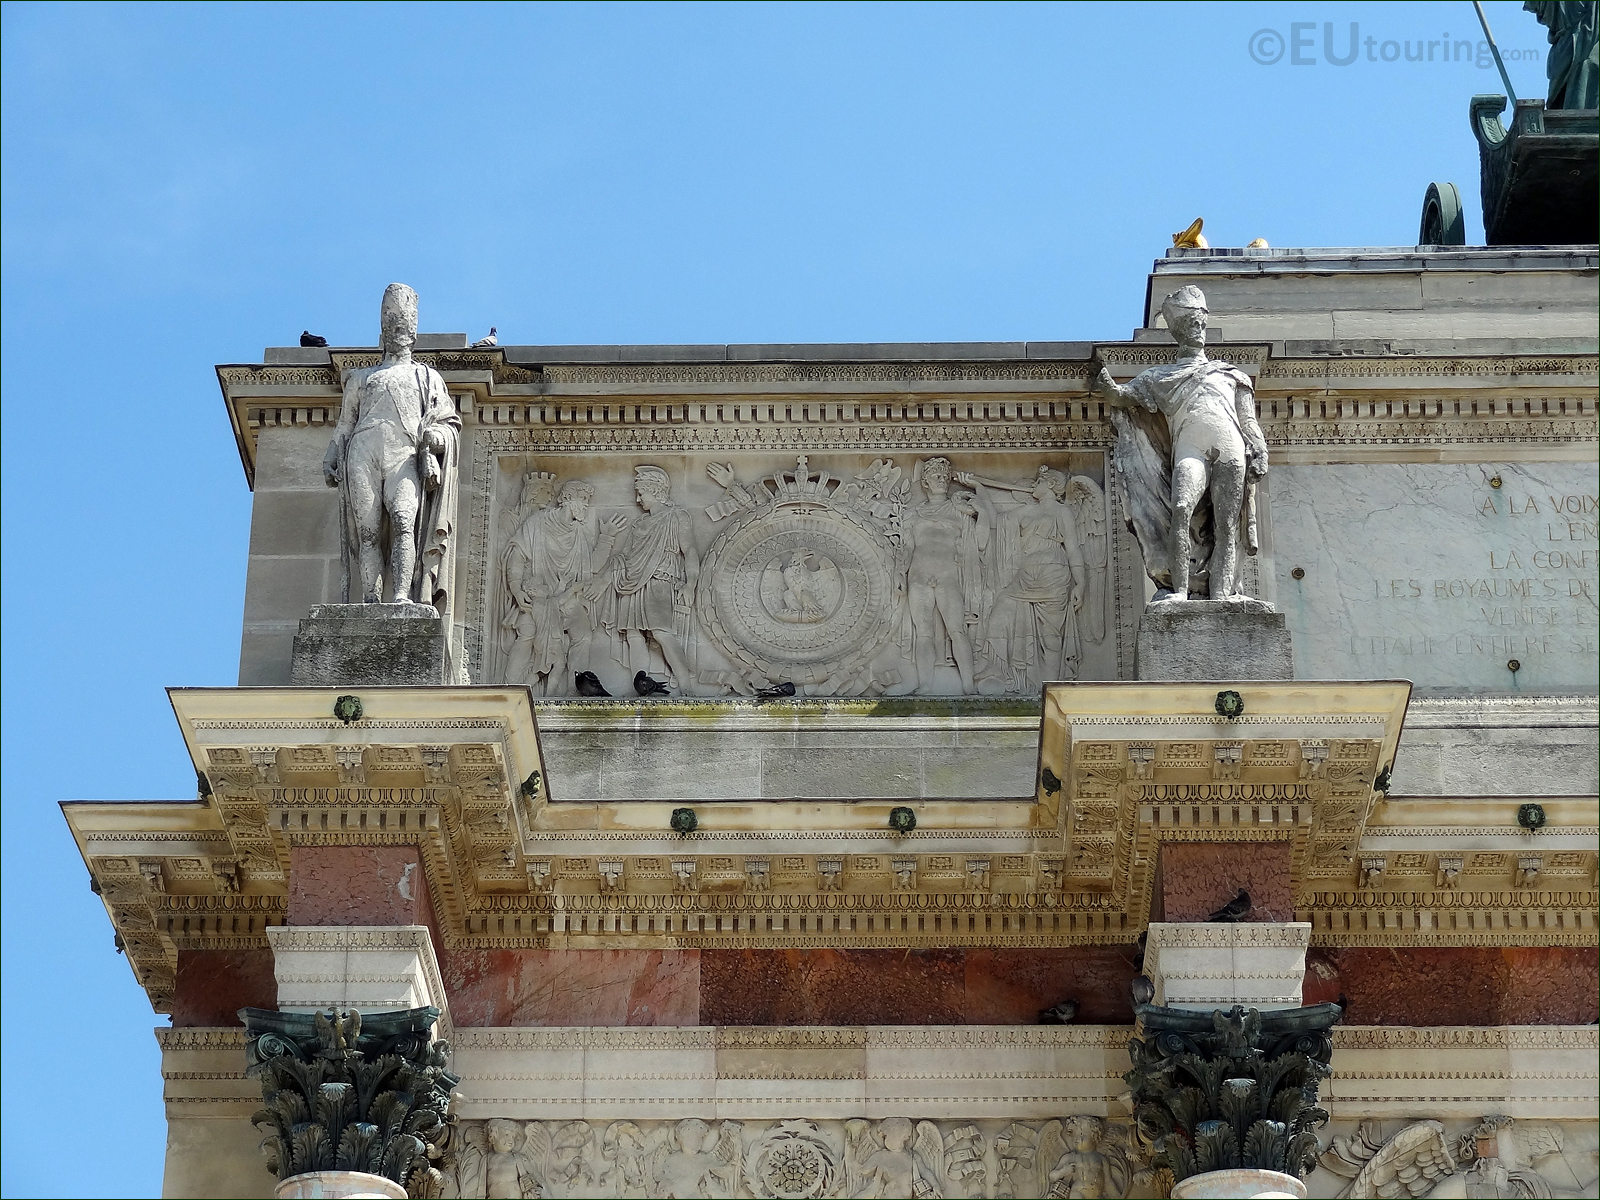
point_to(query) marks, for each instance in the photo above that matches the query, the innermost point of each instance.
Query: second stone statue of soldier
(1188, 455)
(394, 458)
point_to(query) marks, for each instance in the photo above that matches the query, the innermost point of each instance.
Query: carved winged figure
(692, 1163)
(894, 1159)
(1078, 1162)
(1411, 1163)
(490, 1160)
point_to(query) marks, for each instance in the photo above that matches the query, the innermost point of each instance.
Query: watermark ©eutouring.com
(1326, 43)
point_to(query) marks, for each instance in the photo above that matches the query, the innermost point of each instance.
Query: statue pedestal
(347, 645)
(1192, 641)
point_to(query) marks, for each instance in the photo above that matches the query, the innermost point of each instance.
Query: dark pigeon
(1234, 910)
(1143, 990)
(1138, 954)
(778, 691)
(588, 683)
(309, 339)
(648, 685)
(485, 343)
(1059, 1014)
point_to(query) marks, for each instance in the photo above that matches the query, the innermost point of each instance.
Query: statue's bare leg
(955, 625)
(404, 497)
(1188, 489)
(519, 659)
(636, 649)
(677, 657)
(1227, 498)
(919, 596)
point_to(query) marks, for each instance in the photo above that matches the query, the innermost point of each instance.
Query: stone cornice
(1536, 1072)
(442, 769)
(1386, 399)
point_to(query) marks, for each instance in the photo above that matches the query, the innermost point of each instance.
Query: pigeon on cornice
(587, 683)
(648, 685)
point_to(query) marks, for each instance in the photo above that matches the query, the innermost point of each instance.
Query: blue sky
(183, 185)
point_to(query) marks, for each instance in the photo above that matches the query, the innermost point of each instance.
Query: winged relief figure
(693, 1162)
(1411, 1163)
(894, 1158)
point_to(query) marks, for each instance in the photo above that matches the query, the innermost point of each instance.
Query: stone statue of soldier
(1188, 456)
(394, 457)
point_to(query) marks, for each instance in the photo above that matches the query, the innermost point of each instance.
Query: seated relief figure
(1188, 456)
(548, 615)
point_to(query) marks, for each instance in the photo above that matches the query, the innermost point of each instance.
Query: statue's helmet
(397, 319)
(1185, 298)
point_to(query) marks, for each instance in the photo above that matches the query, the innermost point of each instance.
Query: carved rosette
(1220, 1090)
(343, 1092)
(792, 1161)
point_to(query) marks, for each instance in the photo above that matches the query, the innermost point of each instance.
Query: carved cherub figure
(692, 1165)
(1086, 1167)
(490, 1161)
(506, 1173)
(896, 1159)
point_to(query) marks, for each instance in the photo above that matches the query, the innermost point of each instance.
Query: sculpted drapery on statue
(395, 458)
(1188, 455)
(1040, 582)
(551, 606)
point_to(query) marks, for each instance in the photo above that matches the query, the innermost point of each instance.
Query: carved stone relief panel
(976, 574)
(1496, 1157)
(793, 1159)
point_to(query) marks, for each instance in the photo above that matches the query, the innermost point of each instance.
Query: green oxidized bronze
(1217, 1090)
(348, 709)
(1230, 704)
(684, 820)
(902, 819)
(343, 1092)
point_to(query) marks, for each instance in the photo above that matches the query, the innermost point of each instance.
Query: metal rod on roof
(1500, 66)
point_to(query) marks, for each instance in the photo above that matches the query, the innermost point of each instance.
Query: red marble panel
(1194, 879)
(1011, 986)
(572, 987)
(1461, 985)
(213, 985)
(358, 885)
(832, 987)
